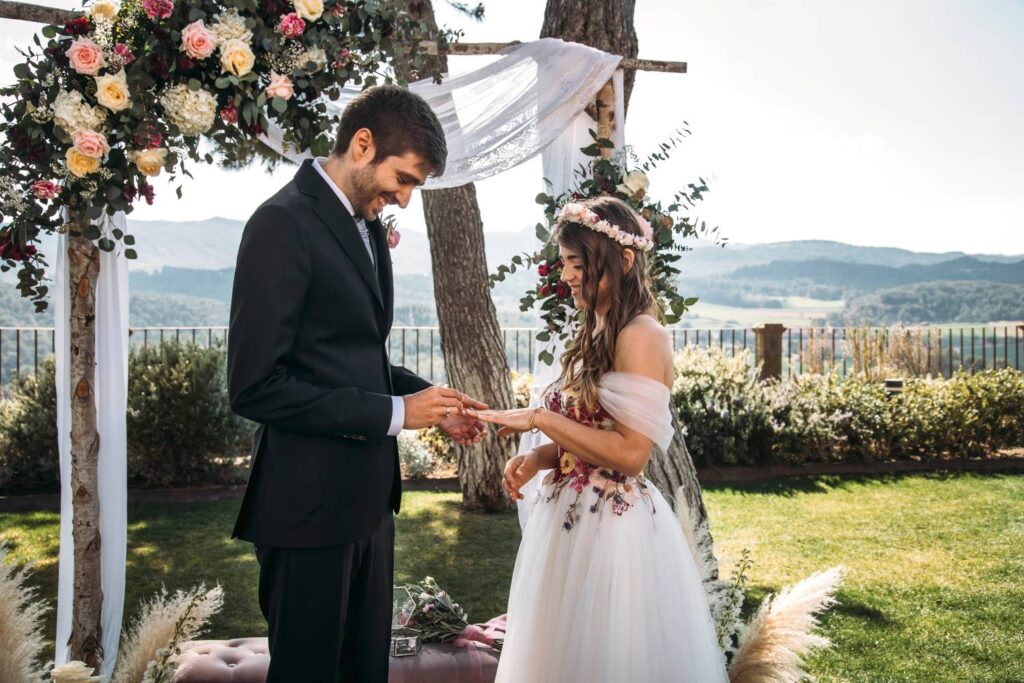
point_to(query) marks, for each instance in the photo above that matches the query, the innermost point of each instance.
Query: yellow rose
(310, 10)
(79, 164)
(112, 91)
(150, 161)
(236, 57)
(103, 8)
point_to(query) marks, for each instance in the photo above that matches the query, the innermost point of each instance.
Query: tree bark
(608, 25)
(603, 24)
(471, 341)
(83, 269)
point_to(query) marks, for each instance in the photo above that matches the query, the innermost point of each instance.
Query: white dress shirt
(397, 404)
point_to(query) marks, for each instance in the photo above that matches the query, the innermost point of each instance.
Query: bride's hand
(511, 421)
(518, 471)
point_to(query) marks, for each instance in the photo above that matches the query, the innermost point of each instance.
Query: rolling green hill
(928, 302)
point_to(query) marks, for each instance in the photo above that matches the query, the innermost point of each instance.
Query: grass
(933, 591)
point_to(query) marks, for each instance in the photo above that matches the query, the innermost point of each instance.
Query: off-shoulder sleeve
(640, 403)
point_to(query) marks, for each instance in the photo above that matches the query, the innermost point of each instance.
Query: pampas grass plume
(21, 625)
(155, 628)
(774, 644)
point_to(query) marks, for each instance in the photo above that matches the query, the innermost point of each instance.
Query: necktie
(364, 232)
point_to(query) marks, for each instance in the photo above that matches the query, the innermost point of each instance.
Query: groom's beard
(365, 191)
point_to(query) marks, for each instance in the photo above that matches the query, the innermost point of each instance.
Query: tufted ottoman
(245, 660)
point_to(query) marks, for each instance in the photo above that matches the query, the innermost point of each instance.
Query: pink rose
(122, 51)
(44, 189)
(394, 237)
(158, 9)
(280, 86)
(197, 41)
(85, 56)
(291, 26)
(90, 143)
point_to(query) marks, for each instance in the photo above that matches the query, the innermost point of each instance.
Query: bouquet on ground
(436, 615)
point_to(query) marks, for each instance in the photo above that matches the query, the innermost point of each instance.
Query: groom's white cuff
(397, 415)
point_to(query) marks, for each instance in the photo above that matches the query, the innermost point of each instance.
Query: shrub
(967, 415)
(732, 419)
(807, 419)
(29, 461)
(181, 430)
(866, 430)
(417, 457)
(726, 413)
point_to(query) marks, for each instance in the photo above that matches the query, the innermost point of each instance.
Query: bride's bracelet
(533, 418)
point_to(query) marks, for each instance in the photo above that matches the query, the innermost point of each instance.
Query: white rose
(103, 8)
(149, 161)
(73, 671)
(112, 91)
(236, 57)
(635, 184)
(310, 10)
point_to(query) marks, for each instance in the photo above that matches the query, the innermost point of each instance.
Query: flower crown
(578, 213)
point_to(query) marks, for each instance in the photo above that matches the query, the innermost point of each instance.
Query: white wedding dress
(605, 588)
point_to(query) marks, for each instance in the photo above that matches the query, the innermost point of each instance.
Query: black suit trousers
(328, 609)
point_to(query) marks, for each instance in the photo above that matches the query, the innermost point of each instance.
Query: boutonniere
(391, 231)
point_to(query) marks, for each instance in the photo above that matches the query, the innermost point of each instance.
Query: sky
(875, 123)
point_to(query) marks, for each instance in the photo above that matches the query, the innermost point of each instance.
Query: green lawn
(933, 592)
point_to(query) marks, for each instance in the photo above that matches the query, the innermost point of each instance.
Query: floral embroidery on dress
(610, 487)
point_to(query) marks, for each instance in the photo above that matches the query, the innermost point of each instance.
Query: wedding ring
(447, 410)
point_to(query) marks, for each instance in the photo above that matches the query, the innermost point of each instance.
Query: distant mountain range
(869, 277)
(184, 272)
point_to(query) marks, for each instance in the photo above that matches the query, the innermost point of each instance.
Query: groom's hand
(432, 405)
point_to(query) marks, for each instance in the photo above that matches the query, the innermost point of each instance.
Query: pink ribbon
(485, 634)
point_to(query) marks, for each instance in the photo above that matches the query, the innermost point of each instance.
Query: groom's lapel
(336, 217)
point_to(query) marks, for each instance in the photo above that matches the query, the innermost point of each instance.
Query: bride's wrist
(540, 460)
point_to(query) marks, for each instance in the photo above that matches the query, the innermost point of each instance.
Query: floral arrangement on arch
(670, 225)
(126, 92)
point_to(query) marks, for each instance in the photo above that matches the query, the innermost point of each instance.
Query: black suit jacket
(307, 361)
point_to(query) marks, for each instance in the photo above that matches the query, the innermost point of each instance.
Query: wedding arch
(125, 93)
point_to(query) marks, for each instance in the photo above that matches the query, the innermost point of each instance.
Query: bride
(604, 587)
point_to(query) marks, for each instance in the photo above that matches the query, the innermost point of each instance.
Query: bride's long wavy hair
(591, 352)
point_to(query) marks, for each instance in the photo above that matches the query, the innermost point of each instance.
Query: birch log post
(83, 271)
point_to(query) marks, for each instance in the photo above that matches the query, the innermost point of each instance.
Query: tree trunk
(36, 13)
(608, 25)
(83, 269)
(471, 341)
(604, 24)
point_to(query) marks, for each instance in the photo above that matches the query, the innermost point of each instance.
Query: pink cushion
(245, 660)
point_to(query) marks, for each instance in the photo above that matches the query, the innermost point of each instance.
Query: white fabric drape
(111, 387)
(562, 161)
(502, 114)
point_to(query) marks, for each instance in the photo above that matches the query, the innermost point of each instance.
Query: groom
(311, 310)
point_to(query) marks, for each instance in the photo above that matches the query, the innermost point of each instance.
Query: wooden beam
(497, 48)
(24, 11)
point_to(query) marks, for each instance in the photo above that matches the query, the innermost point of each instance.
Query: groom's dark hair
(400, 121)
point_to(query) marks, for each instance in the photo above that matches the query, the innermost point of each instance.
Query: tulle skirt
(616, 599)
